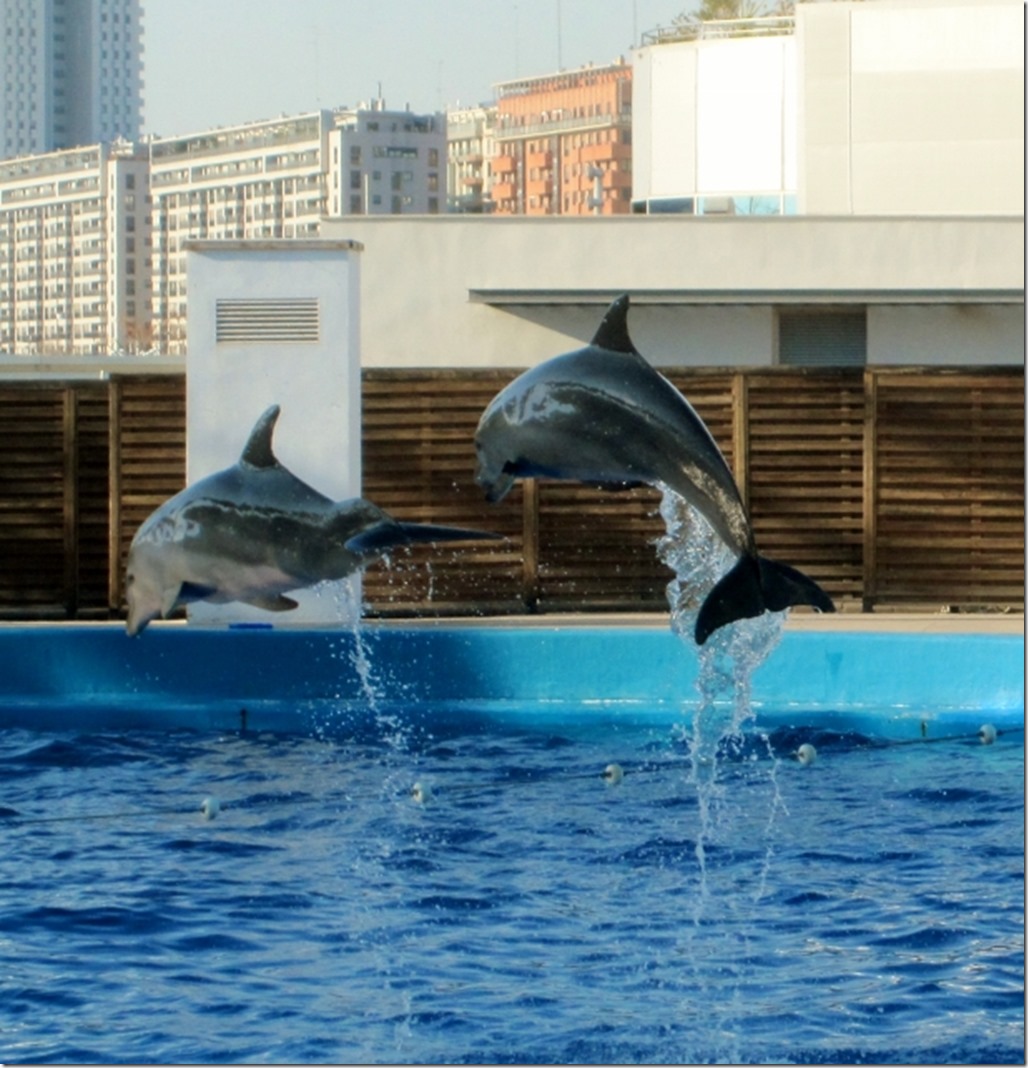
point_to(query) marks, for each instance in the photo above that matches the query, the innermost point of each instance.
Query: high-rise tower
(70, 73)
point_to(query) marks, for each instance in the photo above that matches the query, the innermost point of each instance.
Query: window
(822, 338)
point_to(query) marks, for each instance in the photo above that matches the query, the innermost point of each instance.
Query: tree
(718, 10)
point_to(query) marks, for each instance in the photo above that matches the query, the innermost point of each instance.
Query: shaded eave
(502, 298)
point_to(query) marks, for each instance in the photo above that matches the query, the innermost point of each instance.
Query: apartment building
(277, 179)
(71, 73)
(564, 143)
(263, 179)
(386, 162)
(75, 251)
(470, 147)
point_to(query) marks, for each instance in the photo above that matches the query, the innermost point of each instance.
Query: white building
(386, 162)
(470, 147)
(75, 251)
(277, 179)
(910, 107)
(714, 119)
(70, 73)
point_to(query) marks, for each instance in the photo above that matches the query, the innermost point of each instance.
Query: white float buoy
(806, 754)
(421, 793)
(987, 733)
(210, 807)
(613, 774)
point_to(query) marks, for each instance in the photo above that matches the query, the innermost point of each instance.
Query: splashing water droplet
(727, 660)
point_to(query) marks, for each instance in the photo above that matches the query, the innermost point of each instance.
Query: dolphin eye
(129, 579)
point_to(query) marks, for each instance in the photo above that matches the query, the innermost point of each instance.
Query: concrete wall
(489, 292)
(949, 335)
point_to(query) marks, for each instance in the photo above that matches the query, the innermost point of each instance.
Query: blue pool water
(866, 907)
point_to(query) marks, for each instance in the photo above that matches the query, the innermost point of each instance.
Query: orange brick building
(564, 143)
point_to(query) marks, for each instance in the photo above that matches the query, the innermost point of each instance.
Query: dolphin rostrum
(603, 415)
(254, 531)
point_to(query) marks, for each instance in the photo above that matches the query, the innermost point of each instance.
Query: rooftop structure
(896, 107)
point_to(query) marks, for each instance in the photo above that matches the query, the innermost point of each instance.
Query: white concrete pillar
(277, 322)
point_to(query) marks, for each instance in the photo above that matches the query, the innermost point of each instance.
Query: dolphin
(602, 415)
(253, 532)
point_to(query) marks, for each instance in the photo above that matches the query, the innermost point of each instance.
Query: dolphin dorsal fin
(258, 451)
(613, 332)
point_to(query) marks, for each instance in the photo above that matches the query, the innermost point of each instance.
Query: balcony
(614, 151)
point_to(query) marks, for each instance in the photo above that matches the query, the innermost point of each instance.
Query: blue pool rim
(892, 685)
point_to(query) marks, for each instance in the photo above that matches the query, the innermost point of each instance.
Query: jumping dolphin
(252, 532)
(603, 415)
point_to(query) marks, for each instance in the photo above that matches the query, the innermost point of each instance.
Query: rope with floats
(421, 793)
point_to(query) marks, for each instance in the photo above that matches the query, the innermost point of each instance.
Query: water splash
(374, 689)
(727, 660)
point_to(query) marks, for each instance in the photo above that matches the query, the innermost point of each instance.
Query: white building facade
(470, 147)
(71, 73)
(75, 251)
(898, 107)
(714, 120)
(386, 162)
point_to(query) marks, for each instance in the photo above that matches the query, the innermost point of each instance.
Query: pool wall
(893, 685)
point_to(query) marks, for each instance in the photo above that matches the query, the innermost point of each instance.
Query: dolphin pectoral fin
(272, 602)
(191, 591)
(496, 488)
(753, 586)
(385, 535)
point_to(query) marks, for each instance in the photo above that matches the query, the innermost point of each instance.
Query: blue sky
(218, 62)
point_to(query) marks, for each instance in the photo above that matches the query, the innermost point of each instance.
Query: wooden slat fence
(804, 476)
(890, 487)
(53, 499)
(147, 460)
(948, 492)
(418, 464)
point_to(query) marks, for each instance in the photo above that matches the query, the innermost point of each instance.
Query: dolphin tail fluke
(753, 586)
(387, 534)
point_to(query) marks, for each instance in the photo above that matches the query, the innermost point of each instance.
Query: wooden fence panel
(32, 470)
(419, 465)
(948, 489)
(147, 459)
(91, 471)
(805, 432)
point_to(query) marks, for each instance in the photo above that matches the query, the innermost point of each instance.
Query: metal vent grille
(268, 319)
